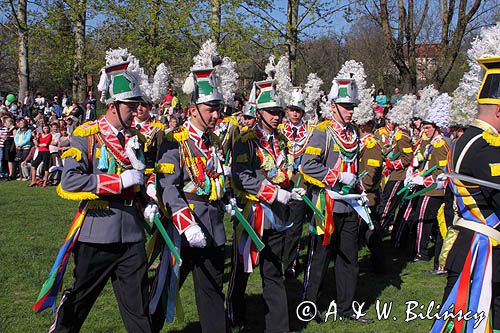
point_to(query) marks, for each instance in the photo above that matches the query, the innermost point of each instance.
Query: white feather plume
(160, 83)
(463, 108)
(116, 56)
(204, 58)
(439, 112)
(487, 44)
(427, 96)
(227, 76)
(402, 112)
(270, 68)
(136, 70)
(312, 99)
(283, 81)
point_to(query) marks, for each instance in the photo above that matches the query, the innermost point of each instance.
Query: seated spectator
(381, 98)
(91, 100)
(90, 113)
(388, 107)
(70, 125)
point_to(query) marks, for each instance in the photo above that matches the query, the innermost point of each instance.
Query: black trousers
(373, 240)
(273, 287)
(207, 265)
(293, 235)
(343, 248)
(495, 301)
(95, 264)
(389, 202)
(427, 225)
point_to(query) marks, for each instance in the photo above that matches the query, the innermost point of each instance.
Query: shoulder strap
(464, 151)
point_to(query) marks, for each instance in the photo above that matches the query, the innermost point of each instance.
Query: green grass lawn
(34, 222)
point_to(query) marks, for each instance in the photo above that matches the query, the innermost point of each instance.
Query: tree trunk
(22, 39)
(79, 78)
(292, 36)
(216, 21)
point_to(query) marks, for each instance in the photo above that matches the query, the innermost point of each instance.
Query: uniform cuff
(267, 192)
(331, 177)
(108, 184)
(183, 219)
(428, 181)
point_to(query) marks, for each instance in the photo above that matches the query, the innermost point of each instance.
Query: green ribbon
(422, 191)
(426, 173)
(167, 239)
(248, 228)
(347, 188)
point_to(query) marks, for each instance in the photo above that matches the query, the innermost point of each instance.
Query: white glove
(440, 181)
(150, 211)
(195, 236)
(229, 208)
(283, 196)
(417, 180)
(227, 170)
(131, 177)
(151, 191)
(347, 178)
(297, 193)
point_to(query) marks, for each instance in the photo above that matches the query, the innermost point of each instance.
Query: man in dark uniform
(477, 154)
(111, 240)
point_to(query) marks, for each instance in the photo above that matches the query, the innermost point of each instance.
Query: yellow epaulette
(245, 136)
(75, 195)
(438, 143)
(491, 139)
(178, 134)
(74, 153)
(232, 120)
(324, 125)
(158, 124)
(87, 129)
(243, 129)
(398, 136)
(370, 142)
(311, 128)
(424, 136)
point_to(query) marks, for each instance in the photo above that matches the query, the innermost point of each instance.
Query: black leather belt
(195, 197)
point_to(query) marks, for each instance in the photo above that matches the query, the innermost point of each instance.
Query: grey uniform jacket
(318, 159)
(121, 223)
(171, 185)
(248, 177)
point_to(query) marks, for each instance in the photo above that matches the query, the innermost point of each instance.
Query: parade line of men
(153, 196)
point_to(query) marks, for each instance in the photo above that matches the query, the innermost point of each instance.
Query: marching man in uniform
(297, 131)
(190, 184)
(261, 173)
(330, 162)
(108, 234)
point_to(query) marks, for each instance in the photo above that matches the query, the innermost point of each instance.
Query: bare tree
(21, 20)
(403, 29)
(301, 16)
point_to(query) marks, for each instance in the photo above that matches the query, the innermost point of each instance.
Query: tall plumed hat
(439, 112)
(464, 105)
(120, 79)
(489, 92)
(274, 92)
(402, 113)
(203, 85)
(297, 99)
(427, 96)
(345, 86)
(312, 97)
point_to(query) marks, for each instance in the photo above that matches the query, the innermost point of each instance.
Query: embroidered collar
(108, 136)
(484, 126)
